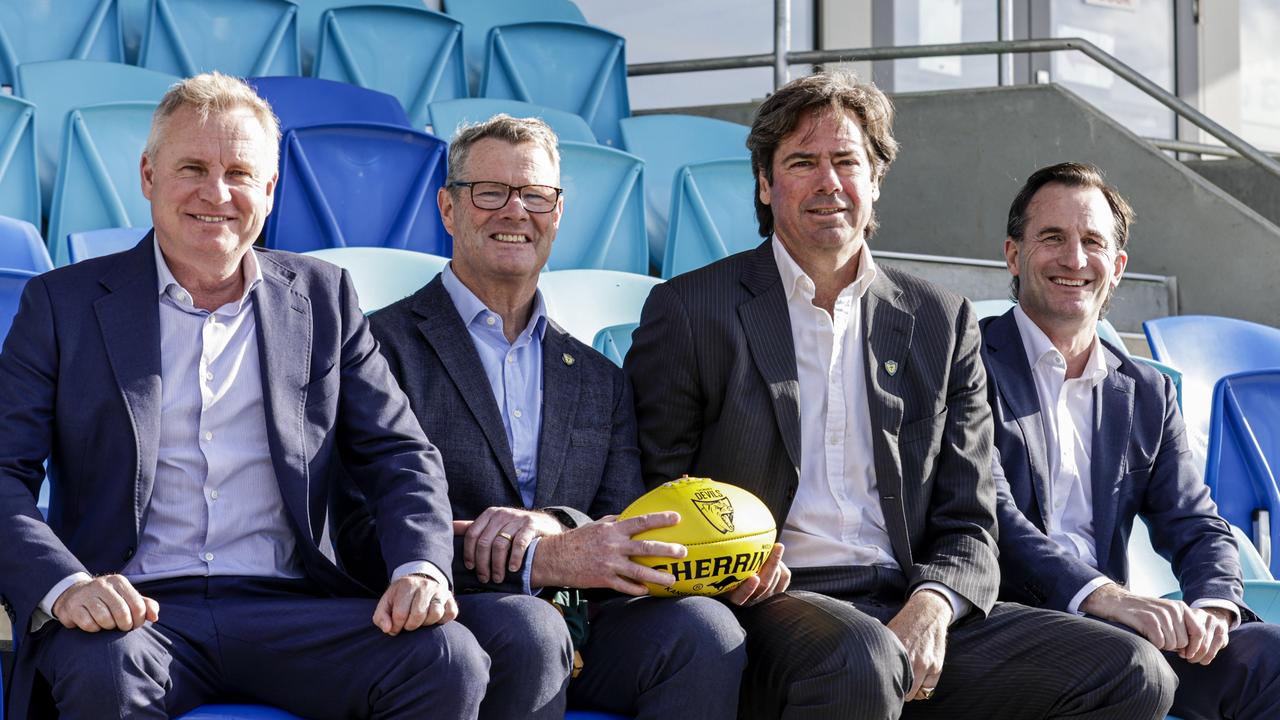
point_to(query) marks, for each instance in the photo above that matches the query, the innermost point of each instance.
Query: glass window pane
(1260, 73)
(935, 22)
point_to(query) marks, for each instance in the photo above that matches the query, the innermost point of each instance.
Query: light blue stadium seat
(359, 185)
(577, 68)
(98, 184)
(479, 16)
(58, 86)
(309, 12)
(19, 181)
(615, 341)
(64, 30)
(413, 54)
(21, 247)
(237, 712)
(666, 143)
(605, 227)
(11, 284)
(245, 38)
(303, 101)
(96, 243)
(446, 116)
(712, 215)
(383, 275)
(1262, 597)
(584, 302)
(1243, 454)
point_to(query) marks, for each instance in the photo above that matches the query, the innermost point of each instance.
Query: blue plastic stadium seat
(577, 68)
(479, 16)
(615, 341)
(584, 302)
(666, 143)
(1243, 453)
(309, 12)
(11, 284)
(237, 712)
(413, 54)
(56, 87)
(19, 182)
(64, 30)
(21, 247)
(605, 228)
(712, 215)
(98, 184)
(383, 275)
(359, 185)
(245, 38)
(446, 116)
(303, 101)
(592, 715)
(96, 243)
(1262, 597)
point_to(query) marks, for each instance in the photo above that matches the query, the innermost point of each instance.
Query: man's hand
(921, 625)
(109, 602)
(773, 578)
(495, 542)
(1206, 634)
(412, 602)
(1171, 625)
(598, 555)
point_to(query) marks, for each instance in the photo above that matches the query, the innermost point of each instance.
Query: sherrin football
(728, 531)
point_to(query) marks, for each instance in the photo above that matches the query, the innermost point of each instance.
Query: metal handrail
(1133, 77)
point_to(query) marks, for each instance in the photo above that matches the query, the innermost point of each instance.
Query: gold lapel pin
(891, 367)
(568, 359)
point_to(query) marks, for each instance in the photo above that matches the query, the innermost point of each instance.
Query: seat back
(98, 185)
(666, 143)
(712, 215)
(383, 275)
(479, 16)
(11, 284)
(96, 243)
(19, 181)
(58, 86)
(245, 38)
(302, 101)
(577, 68)
(237, 712)
(1244, 454)
(584, 302)
(604, 224)
(21, 247)
(447, 116)
(309, 13)
(615, 341)
(1150, 574)
(412, 53)
(63, 30)
(359, 185)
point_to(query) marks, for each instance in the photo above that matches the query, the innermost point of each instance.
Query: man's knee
(533, 638)
(1253, 651)
(1145, 672)
(447, 661)
(708, 629)
(87, 667)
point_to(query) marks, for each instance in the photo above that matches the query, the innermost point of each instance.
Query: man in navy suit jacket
(191, 396)
(1087, 439)
(538, 436)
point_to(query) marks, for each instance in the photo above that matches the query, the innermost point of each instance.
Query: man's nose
(215, 190)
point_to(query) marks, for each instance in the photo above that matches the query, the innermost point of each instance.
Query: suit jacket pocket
(323, 387)
(917, 430)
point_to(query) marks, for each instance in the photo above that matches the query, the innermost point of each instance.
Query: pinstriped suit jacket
(713, 370)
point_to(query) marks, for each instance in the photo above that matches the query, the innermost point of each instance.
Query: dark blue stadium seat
(413, 54)
(96, 243)
(569, 66)
(302, 101)
(19, 181)
(21, 247)
(446, 116)
(359, 184)
(237, 712)
(479, 16)
(63, 30)
(11, 284)
(712, 215)
(245, 38)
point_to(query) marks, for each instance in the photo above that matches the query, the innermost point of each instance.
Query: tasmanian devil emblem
(716, 508)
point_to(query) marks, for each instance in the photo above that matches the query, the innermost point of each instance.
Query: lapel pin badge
(568, 359)
(891, 367)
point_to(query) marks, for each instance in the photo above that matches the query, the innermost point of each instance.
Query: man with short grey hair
(190, 396)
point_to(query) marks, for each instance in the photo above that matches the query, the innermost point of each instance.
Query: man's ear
(444, 198)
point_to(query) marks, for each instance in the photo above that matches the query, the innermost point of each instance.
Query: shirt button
(183, 297)
(833, 440)
(511, 359)
(517, 413)
(489, 320)
(213, 494)
(208, 436)
(208, 557)
(208, 376)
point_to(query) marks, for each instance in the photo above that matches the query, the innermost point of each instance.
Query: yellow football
(728, 531)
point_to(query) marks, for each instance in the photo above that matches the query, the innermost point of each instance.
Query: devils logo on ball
(716, 508)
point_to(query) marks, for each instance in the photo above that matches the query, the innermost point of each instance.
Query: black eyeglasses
(489, 195)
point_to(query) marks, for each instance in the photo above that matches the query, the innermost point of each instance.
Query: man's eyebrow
(1050, 230)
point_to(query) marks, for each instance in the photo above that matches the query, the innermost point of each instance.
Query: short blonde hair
(209, 93)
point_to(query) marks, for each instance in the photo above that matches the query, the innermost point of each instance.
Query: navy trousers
(1242, 682)
(262, 641)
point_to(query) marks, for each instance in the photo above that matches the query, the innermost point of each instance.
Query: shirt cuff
(44, 611)
(526, 575)
(421, 567)
(1078, 599)
(959, 606)
(1203, 603)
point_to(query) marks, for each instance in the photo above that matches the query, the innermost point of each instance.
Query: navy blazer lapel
(561, 381)
(129, 317)
(887, 328)
(1113, 400)
(443, 329)
(283, 318)
(1018, 389)
(767, 327)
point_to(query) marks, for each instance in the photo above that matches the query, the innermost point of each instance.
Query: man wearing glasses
(538, 436)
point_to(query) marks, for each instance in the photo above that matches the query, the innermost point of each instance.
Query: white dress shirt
(835, 517)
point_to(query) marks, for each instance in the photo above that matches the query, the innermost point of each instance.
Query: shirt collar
(472, 308)
(798, 284)
(167, 284)
(1040, 349)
